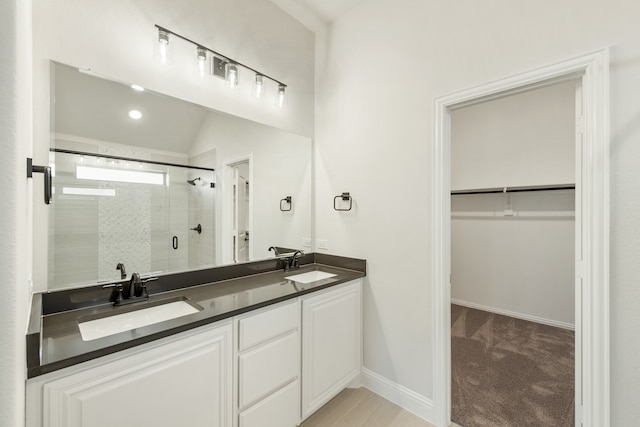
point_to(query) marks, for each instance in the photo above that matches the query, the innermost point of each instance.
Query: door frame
(592, 270)
(227, 206)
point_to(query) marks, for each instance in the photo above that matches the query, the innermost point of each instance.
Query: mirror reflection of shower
(199, 182)
(130, 208)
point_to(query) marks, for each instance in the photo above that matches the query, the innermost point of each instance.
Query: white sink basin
(311, 276)
(110, 325)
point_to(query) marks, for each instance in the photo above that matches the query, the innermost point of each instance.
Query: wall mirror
(162, 185)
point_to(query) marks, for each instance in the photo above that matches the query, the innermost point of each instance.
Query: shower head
(193, 181)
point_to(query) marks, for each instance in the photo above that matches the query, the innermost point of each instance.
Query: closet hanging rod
(515, 189)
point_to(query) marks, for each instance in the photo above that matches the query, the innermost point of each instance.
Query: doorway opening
(513, 240)
(591, 260)
(238, 210)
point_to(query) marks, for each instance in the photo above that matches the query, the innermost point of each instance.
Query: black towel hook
(48, 180)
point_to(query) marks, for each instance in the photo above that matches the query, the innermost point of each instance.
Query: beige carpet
(510, 372)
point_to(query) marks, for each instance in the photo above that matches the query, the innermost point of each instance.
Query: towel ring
(287, 202)
(345, 197)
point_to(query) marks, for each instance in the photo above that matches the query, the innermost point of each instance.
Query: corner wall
(625, 234)
(15, 191)
(385, 64)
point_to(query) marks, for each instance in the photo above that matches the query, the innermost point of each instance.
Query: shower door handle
(48, 180)
(175, 242)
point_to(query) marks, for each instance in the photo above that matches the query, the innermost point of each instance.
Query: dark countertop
(59, 343)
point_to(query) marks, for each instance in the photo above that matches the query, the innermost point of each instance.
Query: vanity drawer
(269, 324)
(267, 368)
(281, 409)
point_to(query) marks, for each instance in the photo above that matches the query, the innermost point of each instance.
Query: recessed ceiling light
(135, 114)
(138, 88)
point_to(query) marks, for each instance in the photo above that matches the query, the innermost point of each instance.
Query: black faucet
(133, 288)
(129, 292)
(123, 272)
(288, 261)
(294, 261)
(275, 251)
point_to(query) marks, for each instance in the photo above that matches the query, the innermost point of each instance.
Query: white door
(236, 210)
(331, 344)
(240, 212)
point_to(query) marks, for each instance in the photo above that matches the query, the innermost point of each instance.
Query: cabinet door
(183, 383)
(331, 344)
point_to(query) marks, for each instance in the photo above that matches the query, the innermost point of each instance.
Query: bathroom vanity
(207, 328)
(264, 349)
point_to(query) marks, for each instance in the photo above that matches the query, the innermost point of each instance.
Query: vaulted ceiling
(329, 10)
(324, 11)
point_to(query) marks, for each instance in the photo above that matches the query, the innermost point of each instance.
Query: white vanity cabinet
(331, 343)
(268, 367)
(294, 357)
(184, 380)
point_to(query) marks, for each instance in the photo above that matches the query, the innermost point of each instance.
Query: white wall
(521, 265)
(15, 191)
(385, 64)
(116, 39)
(519, 140)
(625, 234)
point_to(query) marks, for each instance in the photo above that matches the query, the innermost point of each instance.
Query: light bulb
(201, 61)
(163, 45)
(135, 114)
(259, 86)
(232, 74)
(281, 91)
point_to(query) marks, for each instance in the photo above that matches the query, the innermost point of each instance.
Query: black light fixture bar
(127, 159)
(230, 60)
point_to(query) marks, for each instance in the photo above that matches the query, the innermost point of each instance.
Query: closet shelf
(514, 215)
(515, 189)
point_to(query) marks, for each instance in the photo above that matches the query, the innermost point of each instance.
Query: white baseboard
(530, 318)
(398, 394)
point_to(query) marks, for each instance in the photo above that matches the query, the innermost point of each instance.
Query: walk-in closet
(513, 243)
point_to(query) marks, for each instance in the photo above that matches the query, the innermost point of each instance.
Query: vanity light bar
(228, 63)
(163, 42)
(259, 86)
